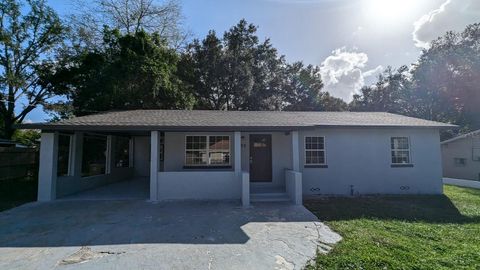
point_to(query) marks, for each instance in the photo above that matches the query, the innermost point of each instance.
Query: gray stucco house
(247, 155)
(461, 156)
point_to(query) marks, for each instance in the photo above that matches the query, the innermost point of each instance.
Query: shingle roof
(231, 120)
(475, 133)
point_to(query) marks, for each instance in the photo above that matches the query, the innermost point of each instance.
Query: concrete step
(269, 197)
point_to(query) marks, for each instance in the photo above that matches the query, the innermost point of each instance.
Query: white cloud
(343, 73)
(373, 72)
(452, 15)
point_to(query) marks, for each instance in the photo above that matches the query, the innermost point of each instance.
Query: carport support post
(47, 175)
(295, 152)
(154, 165)
(238, 153)
(77, 154)
(242, 177)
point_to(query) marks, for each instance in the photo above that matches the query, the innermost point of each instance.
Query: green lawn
(403, 232)
(17, 192)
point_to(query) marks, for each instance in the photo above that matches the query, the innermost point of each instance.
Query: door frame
(251, 164)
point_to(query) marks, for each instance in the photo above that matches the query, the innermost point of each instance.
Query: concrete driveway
(145, 235)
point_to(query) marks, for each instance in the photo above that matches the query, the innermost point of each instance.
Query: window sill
(401, 165)
(207, 167)
(316, 166)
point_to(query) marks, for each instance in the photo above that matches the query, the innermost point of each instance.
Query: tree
(391, 93)
(29, 31)
(269, 72)
(446, 79)
(303, 86)
(331, 104)
(29, 137)
(238, 72)
(241, 44)
(443, 85)
(303, 90)
(203, 66)
(222, 68)
(226, 70)
(131, 72)
(129, 17)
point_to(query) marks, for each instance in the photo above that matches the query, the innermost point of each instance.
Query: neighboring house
(242, 154)
(461, 156)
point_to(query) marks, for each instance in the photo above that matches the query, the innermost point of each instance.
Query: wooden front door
(260, 158)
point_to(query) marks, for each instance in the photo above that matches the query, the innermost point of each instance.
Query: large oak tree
(132, 71)
(29, 31)
(443, 85)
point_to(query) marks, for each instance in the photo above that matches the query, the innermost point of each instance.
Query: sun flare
(389, 10)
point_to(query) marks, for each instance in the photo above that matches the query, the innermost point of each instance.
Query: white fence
(462, 182)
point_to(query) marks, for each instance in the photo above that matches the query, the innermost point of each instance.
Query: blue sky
(352, 40)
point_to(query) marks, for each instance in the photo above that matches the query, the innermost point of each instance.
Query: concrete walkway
(462, 182)
(143, 235)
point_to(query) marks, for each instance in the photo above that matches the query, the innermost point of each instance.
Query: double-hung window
(315, 151)
(400, 147)
(207, 150)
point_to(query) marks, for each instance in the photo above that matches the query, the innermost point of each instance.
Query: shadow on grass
(421, 208)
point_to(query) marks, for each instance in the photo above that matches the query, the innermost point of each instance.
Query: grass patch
(402, 232)
(17, 192)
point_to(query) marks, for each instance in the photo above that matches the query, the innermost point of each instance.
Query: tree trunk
(8, 127)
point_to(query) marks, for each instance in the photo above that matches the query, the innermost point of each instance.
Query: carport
(95, 165)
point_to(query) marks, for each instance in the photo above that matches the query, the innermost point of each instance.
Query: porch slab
(144, 235)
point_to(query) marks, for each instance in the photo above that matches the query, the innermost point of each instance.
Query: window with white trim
(315, 151)
(400, 147)
(207, 150)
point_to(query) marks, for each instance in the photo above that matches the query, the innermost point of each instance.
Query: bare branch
(131, 16)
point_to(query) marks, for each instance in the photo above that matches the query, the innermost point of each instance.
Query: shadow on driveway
(142, 235)
(82, 223)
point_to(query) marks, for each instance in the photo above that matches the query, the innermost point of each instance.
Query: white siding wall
(177, 183)
(199, 185)
(361, 157)
(358, 157)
